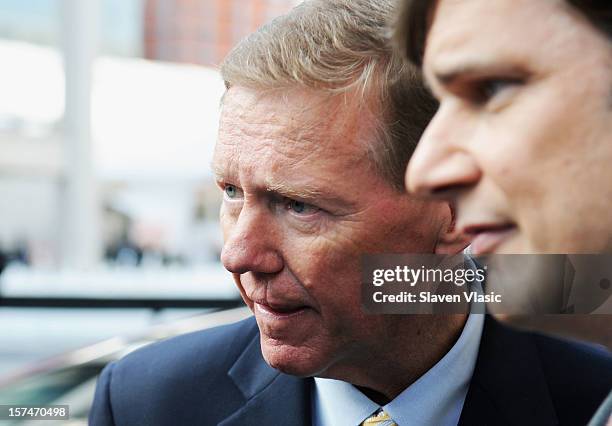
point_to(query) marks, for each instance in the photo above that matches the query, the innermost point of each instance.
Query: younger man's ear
(451, 241)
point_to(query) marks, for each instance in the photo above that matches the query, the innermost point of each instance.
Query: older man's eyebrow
(300, 192)
(216, 169)
(219, 172)
(288, 191)
(307, 193)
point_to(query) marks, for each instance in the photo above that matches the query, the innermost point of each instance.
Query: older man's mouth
(280, 311)
(487, 238)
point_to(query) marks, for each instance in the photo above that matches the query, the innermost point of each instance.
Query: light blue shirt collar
(436, 398)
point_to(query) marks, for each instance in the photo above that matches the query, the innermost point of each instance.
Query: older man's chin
(296, 360)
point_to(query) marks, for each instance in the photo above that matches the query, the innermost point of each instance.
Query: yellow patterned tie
(380, 419)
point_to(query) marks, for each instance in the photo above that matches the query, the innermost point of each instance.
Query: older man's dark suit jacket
(218, 376)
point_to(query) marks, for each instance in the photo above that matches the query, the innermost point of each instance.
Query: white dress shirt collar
(436, 398)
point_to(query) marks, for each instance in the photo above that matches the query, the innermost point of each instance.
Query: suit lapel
(271, 397)
(508, 385)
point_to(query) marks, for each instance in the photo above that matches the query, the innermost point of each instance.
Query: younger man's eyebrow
(449, 74)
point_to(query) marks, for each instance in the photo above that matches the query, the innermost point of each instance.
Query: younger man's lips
(488, 237)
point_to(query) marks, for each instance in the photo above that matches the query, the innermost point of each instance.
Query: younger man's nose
(438, 169)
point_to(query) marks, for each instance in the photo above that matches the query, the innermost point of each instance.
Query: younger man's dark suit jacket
(218, 376)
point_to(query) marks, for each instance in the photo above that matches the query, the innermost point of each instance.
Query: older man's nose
(439, 168)
(250, 246)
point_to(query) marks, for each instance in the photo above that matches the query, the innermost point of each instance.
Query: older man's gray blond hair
(337, 46)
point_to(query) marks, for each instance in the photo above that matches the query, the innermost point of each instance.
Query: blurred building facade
(145, 146)
(203, 31)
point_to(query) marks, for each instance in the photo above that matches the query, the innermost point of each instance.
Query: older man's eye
(232, 192)
(299, 207)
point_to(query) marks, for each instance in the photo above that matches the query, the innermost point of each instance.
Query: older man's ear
(451, 241)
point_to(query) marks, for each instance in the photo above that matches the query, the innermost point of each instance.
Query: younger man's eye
(486, 90)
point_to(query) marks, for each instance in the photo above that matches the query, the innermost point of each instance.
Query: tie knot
(380, 419)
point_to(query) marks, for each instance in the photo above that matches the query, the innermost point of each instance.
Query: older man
(318, 122)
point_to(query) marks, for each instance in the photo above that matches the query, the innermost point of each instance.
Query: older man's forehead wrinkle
(222, 163)
(316, 122)
(226, 155)
(287, 137)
